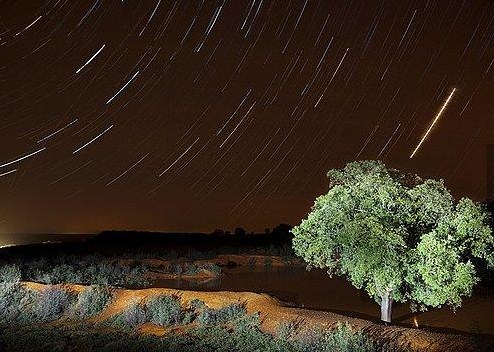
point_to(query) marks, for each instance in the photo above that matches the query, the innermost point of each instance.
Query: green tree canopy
(396, 236)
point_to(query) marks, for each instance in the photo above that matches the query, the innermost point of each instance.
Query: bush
(176, 269)
(10, 273)
(191, 270)
(287, 330)
(164, 310)
(223, 315)
(188, 317)
(197, 304)
(92, 301)
(14, 302)
(341, 339)
(134, 315)
(345, 340)
(215, 269)
(52, 303)
(268, 263)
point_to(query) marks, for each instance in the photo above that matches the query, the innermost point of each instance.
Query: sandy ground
(273, 313)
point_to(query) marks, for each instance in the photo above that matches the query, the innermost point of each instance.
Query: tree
(398, 237)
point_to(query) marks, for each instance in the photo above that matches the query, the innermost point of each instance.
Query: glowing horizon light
(434, 122)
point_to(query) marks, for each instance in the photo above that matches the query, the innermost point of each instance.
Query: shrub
(164, 310)
(211, 267)
(341, 339)
(197, 304)
(134, 315)
(176, 269)
(10, 273)
(287, 330)
(92, 301)
(188, 317)
(191, 269)
(268, 263)
(52, 303)
(345, 340)
(223, 315)
(14, 300)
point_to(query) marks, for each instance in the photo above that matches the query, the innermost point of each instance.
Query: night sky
(195, 115)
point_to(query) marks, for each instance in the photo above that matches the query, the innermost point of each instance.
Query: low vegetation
(26, 318)
(92, 300)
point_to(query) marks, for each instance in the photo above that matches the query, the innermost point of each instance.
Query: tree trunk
(386, 307)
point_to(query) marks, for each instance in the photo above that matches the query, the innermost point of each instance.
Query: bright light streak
(58, 131)
(91, 59)
(8, 173)
(121, 89)
(126, 171)
(180, 157)
(22, 158)
(434, 122)
(92, 140)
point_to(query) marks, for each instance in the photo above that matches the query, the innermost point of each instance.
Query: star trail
(195, 115)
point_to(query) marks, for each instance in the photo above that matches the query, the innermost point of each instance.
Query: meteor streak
(434, 122)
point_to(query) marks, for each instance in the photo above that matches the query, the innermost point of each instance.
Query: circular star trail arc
(175, 115)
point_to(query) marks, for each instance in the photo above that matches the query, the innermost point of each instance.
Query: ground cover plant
(57, 323)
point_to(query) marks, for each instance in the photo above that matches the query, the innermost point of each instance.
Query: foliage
(215, 269)
(10, 273)
(268, 263)
(231, 329)
(14, 302)
(52, 303)
(197, 304)
(222, 315)
(84, 269)
(92, 300)
(396, 234)
(164, 310)
(133, 316)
